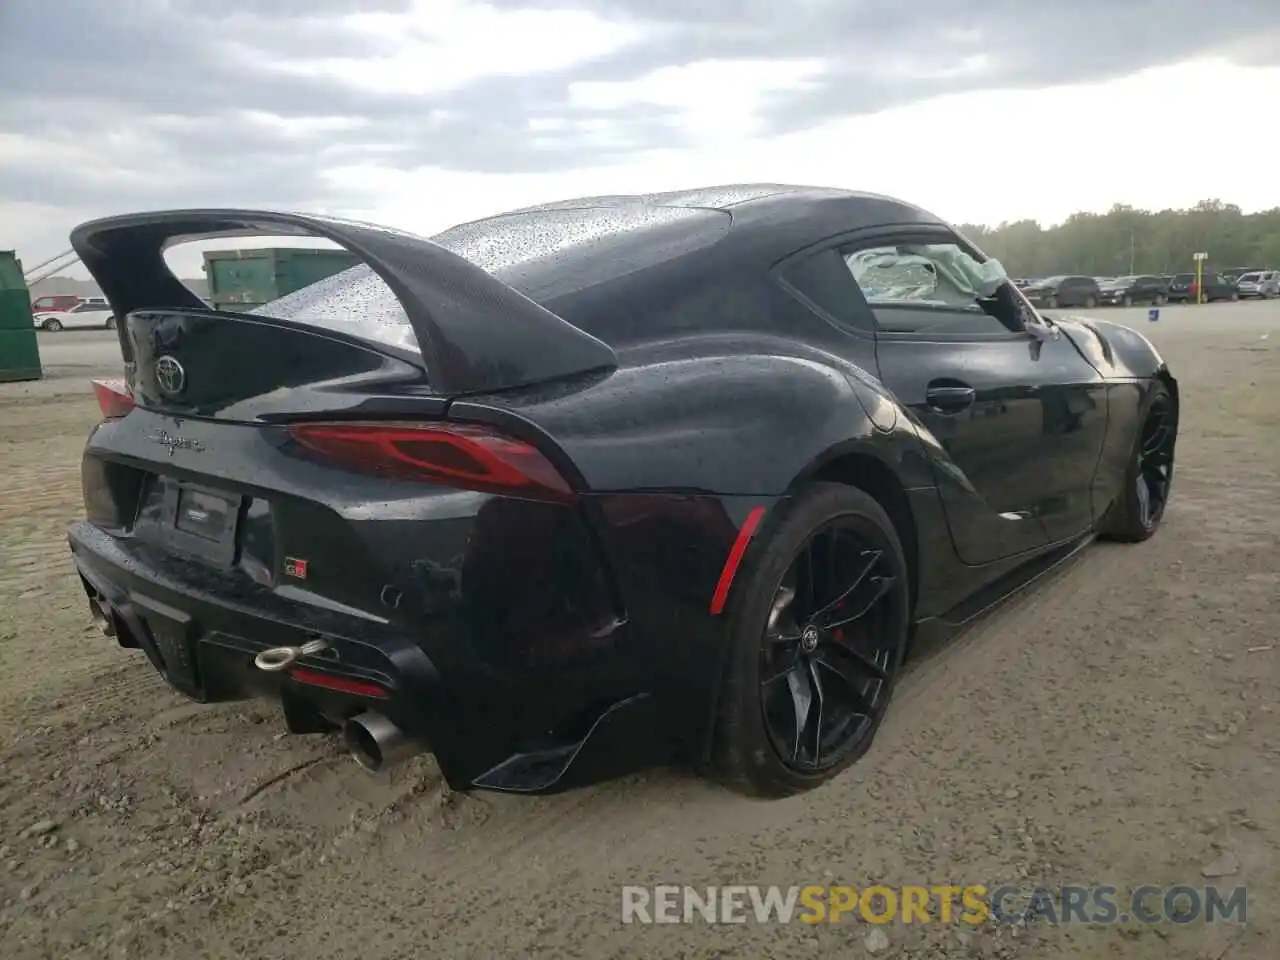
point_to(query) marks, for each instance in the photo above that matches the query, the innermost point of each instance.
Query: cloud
(153, 103)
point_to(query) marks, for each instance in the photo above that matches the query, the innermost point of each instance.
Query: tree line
(1126, 240)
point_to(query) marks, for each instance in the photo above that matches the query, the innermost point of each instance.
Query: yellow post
(1199, 281)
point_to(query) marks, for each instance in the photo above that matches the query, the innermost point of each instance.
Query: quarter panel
(725, 414)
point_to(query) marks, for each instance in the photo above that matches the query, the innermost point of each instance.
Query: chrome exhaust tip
(376, 743)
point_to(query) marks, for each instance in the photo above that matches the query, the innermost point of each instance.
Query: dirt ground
(1115, 725)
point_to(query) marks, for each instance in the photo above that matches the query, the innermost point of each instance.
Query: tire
(111, 322)
(52, 325)
(1127, 301)
(1090, 302)
(1161, 299)
(1051, 303)
(1235, 296)
(745, 755)
(1125, 520)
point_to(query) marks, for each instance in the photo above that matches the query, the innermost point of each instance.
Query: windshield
(1121, 281)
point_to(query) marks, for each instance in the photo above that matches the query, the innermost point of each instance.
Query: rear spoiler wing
(476, 333)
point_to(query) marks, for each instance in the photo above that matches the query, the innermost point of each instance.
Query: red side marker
(734, 560)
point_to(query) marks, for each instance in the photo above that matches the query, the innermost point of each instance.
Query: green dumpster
(19, 351)
(240, 280)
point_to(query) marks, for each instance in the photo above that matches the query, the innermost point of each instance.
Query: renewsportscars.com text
(974, 904)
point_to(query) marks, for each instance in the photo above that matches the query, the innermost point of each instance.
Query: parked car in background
(1182, 288)
(1235, 273)
(90, 312)
(1126, 291)
(1064, 291)
(54, 303)
(1263, 284)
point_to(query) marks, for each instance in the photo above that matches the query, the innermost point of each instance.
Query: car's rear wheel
(111, 322)
(1161, 299)
(1138, 509)
(1051, 302)
(1128, 300)
(1235, 295)
(1090, 302)
(818, 631)
(52, 325)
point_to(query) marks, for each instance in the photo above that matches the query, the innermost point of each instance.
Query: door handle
(950, 399)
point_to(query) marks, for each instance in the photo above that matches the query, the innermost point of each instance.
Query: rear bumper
(202, 634)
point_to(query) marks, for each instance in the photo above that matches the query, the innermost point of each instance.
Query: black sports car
(599, 484)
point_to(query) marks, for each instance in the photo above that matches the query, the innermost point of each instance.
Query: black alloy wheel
(827, 662)
(1139, 507)
(820, 618)
(1154, 475)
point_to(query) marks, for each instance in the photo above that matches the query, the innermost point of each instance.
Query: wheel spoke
(881, 586)
(1144, 500)
(857, 699)
(800, 684)
(814, 727)
(1154, 441)
(870, 556)
(786, 662)
(851, 665)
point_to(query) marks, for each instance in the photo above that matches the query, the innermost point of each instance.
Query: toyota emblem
(170, 377)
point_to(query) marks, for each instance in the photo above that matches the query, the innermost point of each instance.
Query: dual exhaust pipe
(376, 743)
(373, 741)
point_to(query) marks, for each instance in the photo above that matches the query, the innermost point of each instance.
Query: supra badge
(293, 567)
(175, 443)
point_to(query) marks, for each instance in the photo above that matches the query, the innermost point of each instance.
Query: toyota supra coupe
(601, 484)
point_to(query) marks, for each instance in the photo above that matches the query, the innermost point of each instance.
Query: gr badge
(293, 567)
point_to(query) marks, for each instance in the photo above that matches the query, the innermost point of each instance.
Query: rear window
(356, 302)
(1250, 277)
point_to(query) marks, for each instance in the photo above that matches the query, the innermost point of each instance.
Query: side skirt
(934, 630)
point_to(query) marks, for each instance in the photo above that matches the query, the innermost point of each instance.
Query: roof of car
(550, 249)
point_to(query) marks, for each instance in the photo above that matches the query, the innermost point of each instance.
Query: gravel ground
(1114, 725)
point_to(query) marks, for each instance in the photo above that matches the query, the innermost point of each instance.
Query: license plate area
(191, 519)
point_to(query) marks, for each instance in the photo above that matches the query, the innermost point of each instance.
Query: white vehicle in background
(90, 313)
(1263, 284)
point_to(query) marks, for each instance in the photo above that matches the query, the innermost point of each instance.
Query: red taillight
(457, 455)
(115, 399)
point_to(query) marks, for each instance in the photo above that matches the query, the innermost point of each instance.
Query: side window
(935, 288)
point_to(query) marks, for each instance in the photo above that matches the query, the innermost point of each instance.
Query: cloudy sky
(423, 113)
